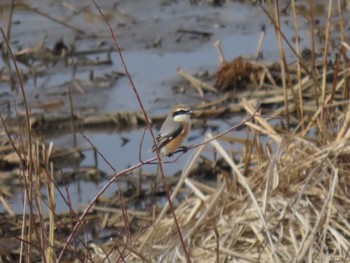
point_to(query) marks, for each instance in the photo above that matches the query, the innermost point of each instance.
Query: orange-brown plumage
(174, 130)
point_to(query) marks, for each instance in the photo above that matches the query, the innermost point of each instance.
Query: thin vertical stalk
(325, 53)
(9, 21)
(30, 157)
(148, 124)
(5, 51)
(282, 62)
(313, 48)
(295, 26)
(50, 255)
(71, 111)
(343, 50)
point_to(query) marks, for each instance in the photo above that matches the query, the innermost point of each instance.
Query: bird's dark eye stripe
(180, 112)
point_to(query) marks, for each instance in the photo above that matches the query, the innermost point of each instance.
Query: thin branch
(29, 167)
(61, 22)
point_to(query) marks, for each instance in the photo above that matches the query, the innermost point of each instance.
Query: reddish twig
(120, 192)
(149, 161)
(29, 166)
(93, 201)
(150, 130)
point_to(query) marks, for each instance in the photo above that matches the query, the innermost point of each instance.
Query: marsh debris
(279, 194)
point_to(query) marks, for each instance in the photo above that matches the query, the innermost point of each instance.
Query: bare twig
(61, 22)
(30, 157)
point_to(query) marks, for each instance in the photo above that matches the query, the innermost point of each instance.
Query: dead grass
(284, 198)
(290, 207)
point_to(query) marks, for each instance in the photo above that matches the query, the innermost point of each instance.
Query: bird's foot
(183, 149)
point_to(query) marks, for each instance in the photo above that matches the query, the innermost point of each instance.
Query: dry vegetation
(283, 198)
(289, 205)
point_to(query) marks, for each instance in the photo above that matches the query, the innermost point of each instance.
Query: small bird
(174, 130)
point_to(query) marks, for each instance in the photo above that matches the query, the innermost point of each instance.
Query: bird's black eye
(181, 112)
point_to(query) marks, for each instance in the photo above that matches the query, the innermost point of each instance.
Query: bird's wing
(167, 133)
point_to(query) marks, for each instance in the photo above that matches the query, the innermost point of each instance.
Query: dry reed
(284, 199)
(290, 207)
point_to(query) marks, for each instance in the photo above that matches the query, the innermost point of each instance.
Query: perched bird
(174, 130)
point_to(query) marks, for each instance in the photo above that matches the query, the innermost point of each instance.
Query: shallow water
(152, 70)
